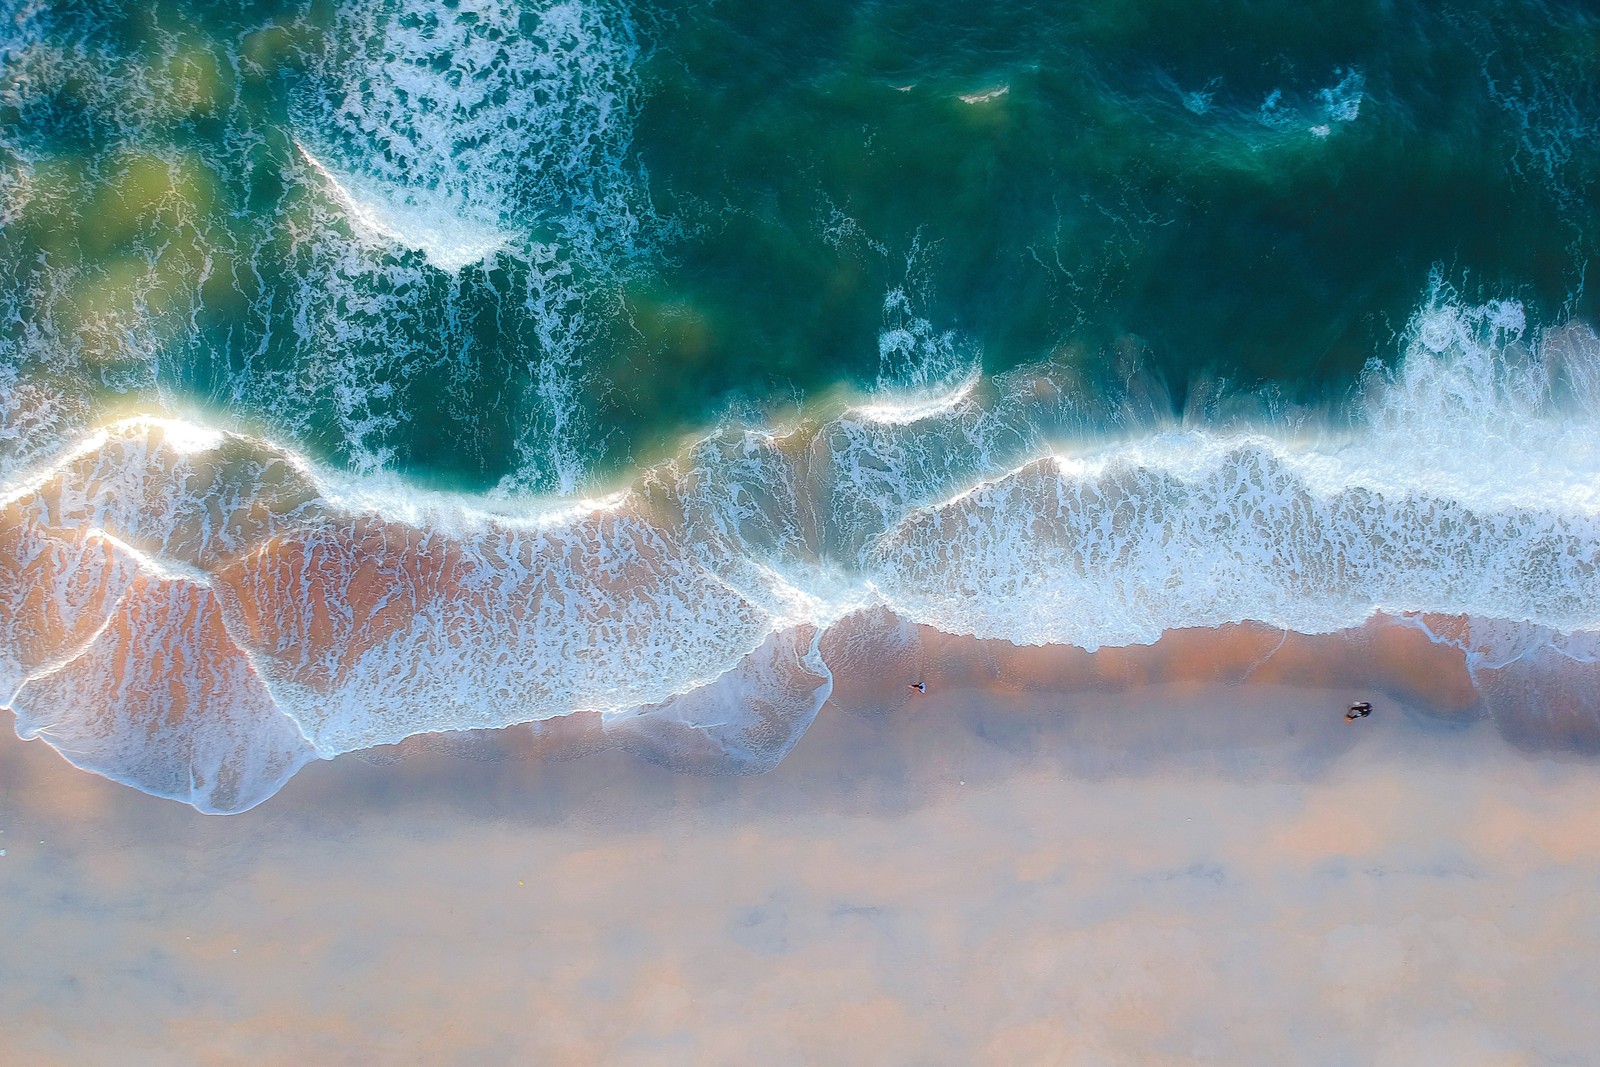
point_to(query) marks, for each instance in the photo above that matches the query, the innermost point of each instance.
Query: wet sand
(1172, 872)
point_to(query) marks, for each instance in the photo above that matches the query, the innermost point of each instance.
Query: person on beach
(921, 687)
(1359, 710)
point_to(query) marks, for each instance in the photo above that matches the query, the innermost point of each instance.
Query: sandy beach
(743, 533)
(1177, 871)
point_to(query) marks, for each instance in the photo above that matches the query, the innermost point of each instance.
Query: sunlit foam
(187, 438)
(385, 495)
(34, 480)
(430, 225)
(1455, 487)
(917, 407)
(1074, 466)
(390, 497)
(986, 95)
(154, 566)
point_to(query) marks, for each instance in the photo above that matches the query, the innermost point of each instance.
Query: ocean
(381, 369)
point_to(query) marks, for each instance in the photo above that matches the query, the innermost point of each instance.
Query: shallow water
(513, 458)
(391, 368)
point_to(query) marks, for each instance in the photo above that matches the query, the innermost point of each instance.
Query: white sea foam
(187, 717)
(984, 96)
(918, 408)
(917, 362)
(441, 230)
(312, 613)
(1327, 108)
(428, 139)
(1341, 102)
(468, 131)
(499, 107)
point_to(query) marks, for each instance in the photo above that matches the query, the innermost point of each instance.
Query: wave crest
(305, 614)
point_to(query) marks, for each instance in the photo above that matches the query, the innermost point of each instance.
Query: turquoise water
(687, 211)
(379, 368)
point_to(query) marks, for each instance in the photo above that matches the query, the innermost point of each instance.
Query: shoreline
(201, 614)
(760, 710)
(1182, 872)
(1538, 707)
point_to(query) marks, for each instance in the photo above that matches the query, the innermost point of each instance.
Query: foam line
(306, 613)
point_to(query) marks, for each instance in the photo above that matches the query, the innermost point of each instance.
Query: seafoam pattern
(302, 614)
(163, 699)
(311, 265)
(1337, 103)
(485, 134)
(495, 115)
(226, 563)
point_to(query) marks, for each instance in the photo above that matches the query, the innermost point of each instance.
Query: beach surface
(1175, 872)
(480, 480)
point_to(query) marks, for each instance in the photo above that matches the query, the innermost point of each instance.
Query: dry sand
(1176, 872)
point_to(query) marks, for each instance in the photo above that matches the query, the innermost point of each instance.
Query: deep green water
(724, 207)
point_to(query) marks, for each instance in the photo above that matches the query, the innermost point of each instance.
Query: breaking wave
(302, 228)
(198, 612)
